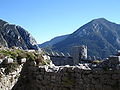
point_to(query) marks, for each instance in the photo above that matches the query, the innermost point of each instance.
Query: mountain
(53, 41)
(101, 36)
(12, 35)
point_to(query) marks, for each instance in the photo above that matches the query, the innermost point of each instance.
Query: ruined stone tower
(78, 53)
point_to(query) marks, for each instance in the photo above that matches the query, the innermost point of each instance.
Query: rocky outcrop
(11, 63)
(8, 81)
(12, 35)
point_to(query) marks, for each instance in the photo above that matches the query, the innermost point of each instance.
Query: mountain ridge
(53, 41)
(12, 35)
(100, 35)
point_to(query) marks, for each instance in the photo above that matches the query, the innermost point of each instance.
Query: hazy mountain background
(101, 36)
(53, 41)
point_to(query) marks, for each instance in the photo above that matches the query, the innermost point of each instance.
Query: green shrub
(21, 55)
(96, 61)
(30, 56)
(18, 54)
(9, 53)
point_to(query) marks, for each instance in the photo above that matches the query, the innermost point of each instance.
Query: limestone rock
(12, 35)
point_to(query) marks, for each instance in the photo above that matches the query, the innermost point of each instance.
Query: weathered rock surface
(8, 81)
(12, 35)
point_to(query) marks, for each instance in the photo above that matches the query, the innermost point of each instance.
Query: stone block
(116, 76)
(98, 87)
(39, 77)
(107, 87)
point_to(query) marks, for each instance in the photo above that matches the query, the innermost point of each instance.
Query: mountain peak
(100, 35)
(100, 20)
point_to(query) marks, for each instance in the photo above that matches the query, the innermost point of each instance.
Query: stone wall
(66, 78)
(61, 61)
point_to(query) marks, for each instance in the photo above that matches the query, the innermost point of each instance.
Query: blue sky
(46, 19)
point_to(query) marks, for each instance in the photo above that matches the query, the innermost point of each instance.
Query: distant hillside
(12, 35)
(53, 41)
(100, 35)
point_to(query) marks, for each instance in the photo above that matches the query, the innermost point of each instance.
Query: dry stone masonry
(66, 78)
